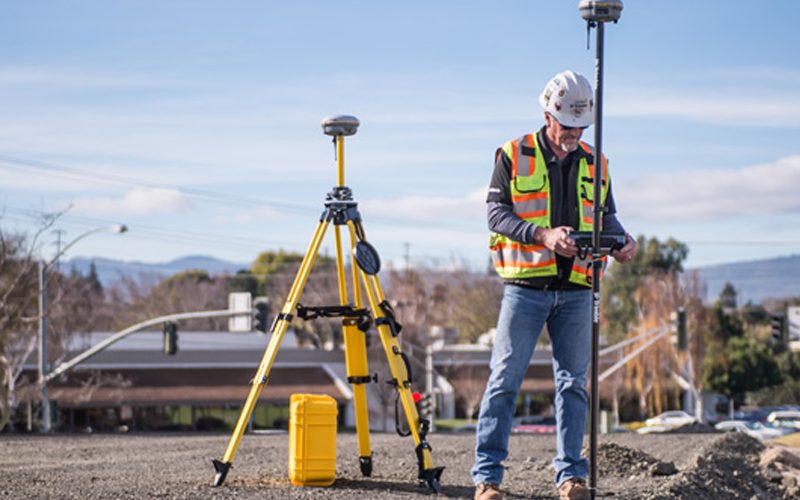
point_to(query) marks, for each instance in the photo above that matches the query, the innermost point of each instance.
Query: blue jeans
(523, 313)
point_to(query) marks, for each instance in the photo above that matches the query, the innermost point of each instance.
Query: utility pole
(43, 367)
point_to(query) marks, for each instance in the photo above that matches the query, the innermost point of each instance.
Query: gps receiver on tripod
(358, 318)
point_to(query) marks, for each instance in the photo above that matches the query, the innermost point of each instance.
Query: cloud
(64, 77)
(144, 201)
(713, 194)
(777, 111)
(429, 208)
(721, 96)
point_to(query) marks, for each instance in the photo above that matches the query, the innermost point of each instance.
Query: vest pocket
(529, 184)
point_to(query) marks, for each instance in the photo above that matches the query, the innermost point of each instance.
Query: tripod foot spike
(222, 469)
(432, 477)
(366, 465)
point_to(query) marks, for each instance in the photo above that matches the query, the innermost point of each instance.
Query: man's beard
(568, 148)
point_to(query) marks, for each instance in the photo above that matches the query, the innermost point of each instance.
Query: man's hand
(626, 253)
(557, 240)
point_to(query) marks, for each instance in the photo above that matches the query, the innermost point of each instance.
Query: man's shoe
(487, 492)
(574, 489)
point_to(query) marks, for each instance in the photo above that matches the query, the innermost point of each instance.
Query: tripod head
(340, 125)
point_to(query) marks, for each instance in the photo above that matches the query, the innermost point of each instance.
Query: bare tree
(133, 300)
(651, 372)
(18, 312)
(474, 303)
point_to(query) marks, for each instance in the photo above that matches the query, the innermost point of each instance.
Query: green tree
(789, 363)
(728, 326)
(745, 366)
(786, 393)
(243, 281)
(727, 297)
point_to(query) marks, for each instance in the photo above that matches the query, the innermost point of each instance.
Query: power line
(20, 164)
(155, 233)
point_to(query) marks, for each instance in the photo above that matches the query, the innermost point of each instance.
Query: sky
(197, 123)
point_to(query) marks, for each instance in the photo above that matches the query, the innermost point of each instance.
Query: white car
(652, 429)
(671, 419)
(785, 418)
(753, 429)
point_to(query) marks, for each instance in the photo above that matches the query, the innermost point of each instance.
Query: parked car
(671, 419)
(753, 429)
(785, 418)
(652, 429)
(534, 425)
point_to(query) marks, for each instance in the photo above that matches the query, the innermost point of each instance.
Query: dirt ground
(631, 466)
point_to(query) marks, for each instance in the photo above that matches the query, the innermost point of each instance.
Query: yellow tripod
(341, 210)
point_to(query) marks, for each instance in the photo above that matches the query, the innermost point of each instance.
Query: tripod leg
(428, 472)
(356, 361)
(278, 330)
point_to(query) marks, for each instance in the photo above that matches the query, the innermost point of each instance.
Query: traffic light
(683, 336)
(261, 306)
(425, 406)
(170, 338)
(777, 322)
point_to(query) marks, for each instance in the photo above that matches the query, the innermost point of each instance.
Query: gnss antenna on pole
(597, 13)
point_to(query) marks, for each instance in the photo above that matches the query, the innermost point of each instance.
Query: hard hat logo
(568, 98)
(579, 107)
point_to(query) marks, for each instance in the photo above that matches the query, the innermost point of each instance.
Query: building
(134, 385)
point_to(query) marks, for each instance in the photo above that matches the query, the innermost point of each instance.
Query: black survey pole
(596, 262)
(597, 13)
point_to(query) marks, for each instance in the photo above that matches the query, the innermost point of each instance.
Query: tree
(746, 366)
(187, 291)
(620, 309)
(786, 393)
(18, 312)
(727, 297)
(474, 304)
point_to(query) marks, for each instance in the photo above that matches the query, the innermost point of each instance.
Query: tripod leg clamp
(285, 316)
(364, 379)
(389, 319)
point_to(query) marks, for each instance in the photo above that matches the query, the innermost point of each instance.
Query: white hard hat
(568, 97)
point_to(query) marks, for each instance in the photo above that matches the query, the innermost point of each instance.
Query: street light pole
(44, 267)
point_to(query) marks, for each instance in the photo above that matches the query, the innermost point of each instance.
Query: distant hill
(111, 270)
(754, 280)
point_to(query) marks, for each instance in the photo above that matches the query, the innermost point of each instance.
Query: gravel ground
(631, 466)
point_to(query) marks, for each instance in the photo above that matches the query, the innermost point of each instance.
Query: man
(541, 190)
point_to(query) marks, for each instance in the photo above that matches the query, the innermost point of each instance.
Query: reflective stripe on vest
(530, 196)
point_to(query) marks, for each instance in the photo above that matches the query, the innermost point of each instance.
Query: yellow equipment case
(312, 440)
